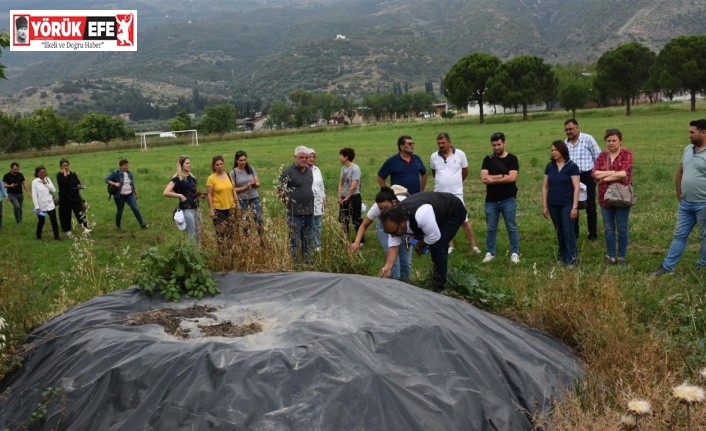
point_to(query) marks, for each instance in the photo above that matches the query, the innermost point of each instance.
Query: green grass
(615, 319)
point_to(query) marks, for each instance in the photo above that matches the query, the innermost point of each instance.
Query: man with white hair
(295, 190)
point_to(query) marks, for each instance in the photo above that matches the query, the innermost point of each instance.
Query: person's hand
(354, 247)
(385, 272)
(545, 212)
(182, 198)
(37, 211)
(574, 214)
(212, 213)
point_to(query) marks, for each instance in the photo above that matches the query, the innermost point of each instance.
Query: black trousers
(52, 219)
(350, 211)
(439, 250)
(591, 213)
(223, 224)
(65, 209)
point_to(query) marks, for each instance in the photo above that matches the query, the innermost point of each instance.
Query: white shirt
(319, 191)
(426, 220)
(41, 194)
(448, 173)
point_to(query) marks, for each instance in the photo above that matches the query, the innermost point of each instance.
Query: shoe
(476, 250)
(621, 262)
(118, 228)
(515, 258)
(571, 266)
(660, 271)
(87, 231)
(451, 250)
(68, 234)
(488, 258)
(611, 260)
(593, 238)
(144, 226)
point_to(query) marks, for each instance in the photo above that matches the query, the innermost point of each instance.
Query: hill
(264, 50)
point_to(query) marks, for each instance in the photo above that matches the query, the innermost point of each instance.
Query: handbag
(620, 196)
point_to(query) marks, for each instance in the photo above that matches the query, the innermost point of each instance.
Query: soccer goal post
(171, 134)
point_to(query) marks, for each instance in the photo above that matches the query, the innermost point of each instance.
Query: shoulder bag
(618, 195)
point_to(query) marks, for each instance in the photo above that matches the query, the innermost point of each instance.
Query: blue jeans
(402, 268)
(16, 201)
(316, 226)
(300, 235)
(120, 201)
(191, 217)
(564, 227)
(614, 217)
(508, 208)
(248, 207)
(689, 215)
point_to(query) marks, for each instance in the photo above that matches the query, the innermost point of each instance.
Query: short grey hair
(301, 149)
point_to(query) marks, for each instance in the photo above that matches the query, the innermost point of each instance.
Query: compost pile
(287, 351)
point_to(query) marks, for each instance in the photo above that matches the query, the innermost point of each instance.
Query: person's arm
(680, 173)
(423, 182)
(168, 192)
(340, 188)
(209, 195)
(381, 182)
(390, 258)
(255, 182)
(35, 198)
(426, 220)
(545, 194)
(24, 185)
(359, 236)
(464, 173)
(351, 191)
(576, 181)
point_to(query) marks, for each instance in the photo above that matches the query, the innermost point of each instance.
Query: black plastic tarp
(337, 352)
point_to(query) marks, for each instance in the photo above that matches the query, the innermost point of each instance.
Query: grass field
(638, 336)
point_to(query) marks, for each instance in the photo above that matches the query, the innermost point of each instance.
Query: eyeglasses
(409, 143)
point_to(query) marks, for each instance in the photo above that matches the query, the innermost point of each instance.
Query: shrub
(182, 269)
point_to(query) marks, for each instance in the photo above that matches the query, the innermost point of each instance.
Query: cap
(399, 190)
(21, 22)
(179, 219)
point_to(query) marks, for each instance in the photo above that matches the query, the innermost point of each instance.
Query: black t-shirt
(498, 192)
(11, 178)
(186, 187)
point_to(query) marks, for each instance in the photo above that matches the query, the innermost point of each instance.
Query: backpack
(113, 190)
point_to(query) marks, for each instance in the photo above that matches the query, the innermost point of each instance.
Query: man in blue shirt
(691, 194)
(405, 168)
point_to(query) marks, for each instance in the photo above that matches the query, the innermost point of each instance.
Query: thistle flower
(639, 407)
(628, 422)
(689, 394)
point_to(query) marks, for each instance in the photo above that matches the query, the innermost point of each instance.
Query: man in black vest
(433, 218)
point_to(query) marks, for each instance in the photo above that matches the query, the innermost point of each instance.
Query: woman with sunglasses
(183, 187)
(247, 186)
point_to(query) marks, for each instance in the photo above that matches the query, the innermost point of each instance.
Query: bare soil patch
(171, 318)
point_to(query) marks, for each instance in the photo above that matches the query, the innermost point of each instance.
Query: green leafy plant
(181, 269)
(463, 281)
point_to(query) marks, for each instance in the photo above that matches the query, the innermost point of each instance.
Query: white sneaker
(476, 250)
(451, 250)
(86, 231)
(515, 258)
(488, 258)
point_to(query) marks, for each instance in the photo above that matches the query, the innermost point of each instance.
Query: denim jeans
(508, 209)
(614, 217)
(564, 227)
(689, 214)
(191, 217)
(300, 235)
(249, 207)
(16, 201)
(316, 226)
(402, 268)
(120, 201)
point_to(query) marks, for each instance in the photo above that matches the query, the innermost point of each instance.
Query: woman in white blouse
(43, 198)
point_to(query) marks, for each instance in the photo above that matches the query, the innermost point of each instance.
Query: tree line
(618, 76)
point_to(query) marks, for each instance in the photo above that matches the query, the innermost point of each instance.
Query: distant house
(441, 107)
(252, 124)
(125, 116)
(340, 37)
